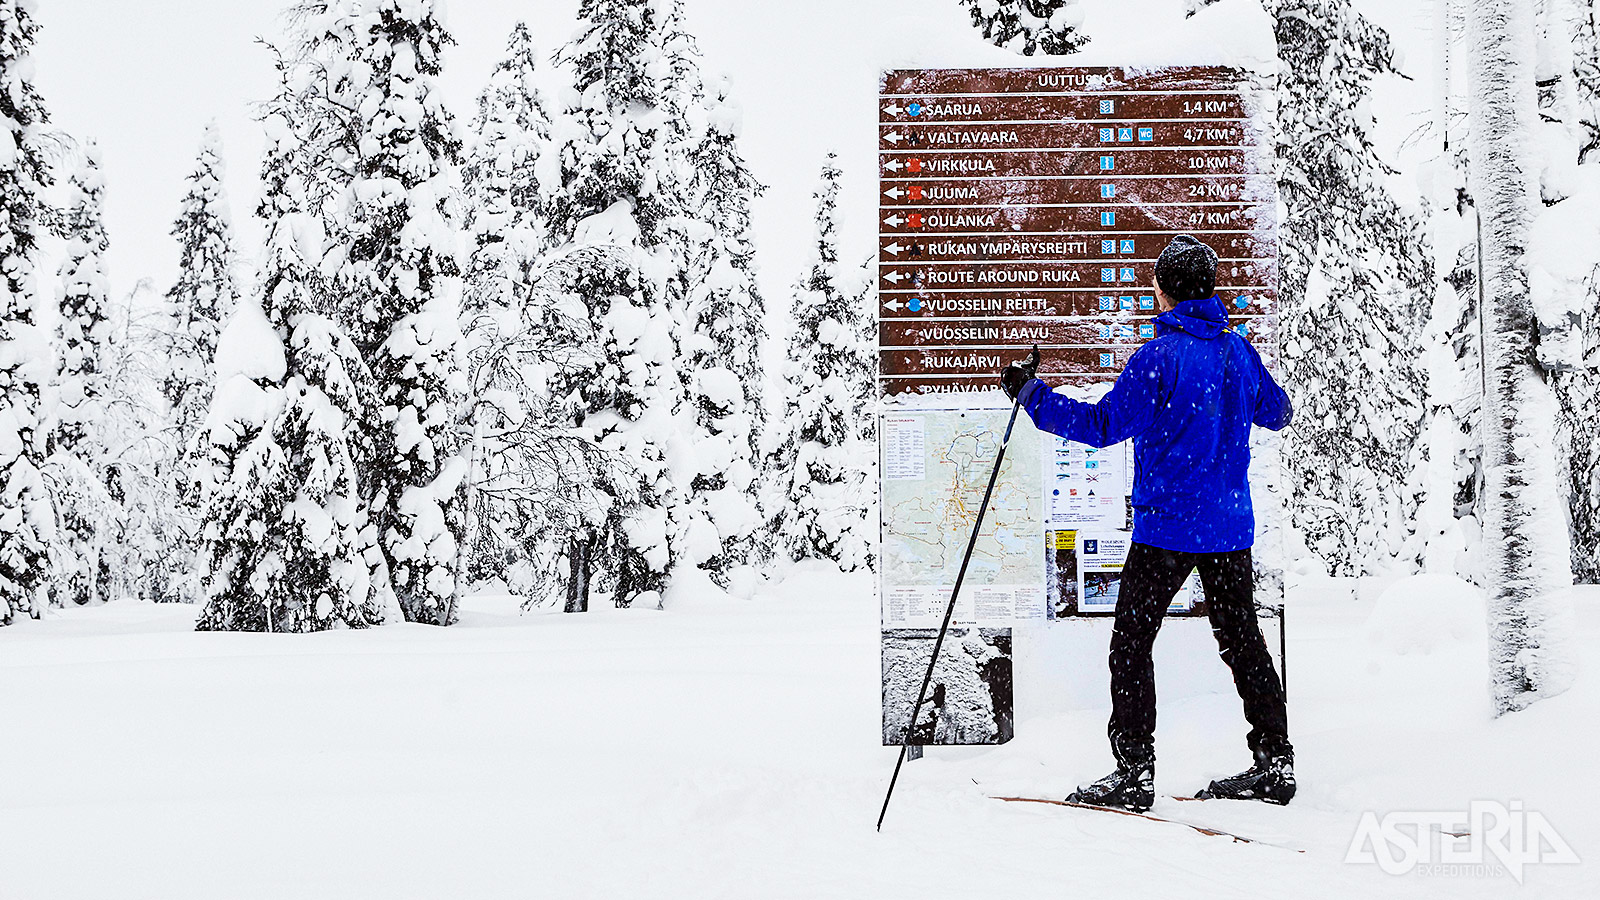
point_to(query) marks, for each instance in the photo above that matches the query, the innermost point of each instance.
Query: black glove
(1018, 374)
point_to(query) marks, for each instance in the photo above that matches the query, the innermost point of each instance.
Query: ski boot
(1132, 786)
(1270, 780)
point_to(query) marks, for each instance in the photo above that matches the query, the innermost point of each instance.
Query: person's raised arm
(1273, 409)
(1128, 409)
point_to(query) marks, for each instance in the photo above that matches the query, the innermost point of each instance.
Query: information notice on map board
(1022, 207)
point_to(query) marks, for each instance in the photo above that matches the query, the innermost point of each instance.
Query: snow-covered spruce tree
(1448, 520)
(1354, 284)
(1565, 254)
(197, 305)
(508, 159)
(287, 542)
(619, 187)
(87, 513)
(819, 496)
(204, 295)
(394, 219)
(84, 329)
(1449, 517)
(27, 522)
(149, 550)
(722, 318)
(865, 298)
(1028, 27)
(543, 490)
(506, 164)
(1523, 516)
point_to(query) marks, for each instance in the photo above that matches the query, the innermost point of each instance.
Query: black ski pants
(1150, 580)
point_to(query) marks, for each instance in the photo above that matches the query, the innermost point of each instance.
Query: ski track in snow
(724, 748)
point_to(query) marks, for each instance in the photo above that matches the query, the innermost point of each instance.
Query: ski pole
(1283, 647)
(950, 608)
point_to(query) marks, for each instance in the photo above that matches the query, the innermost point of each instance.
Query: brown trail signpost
(1023, 207)
(1046, 195)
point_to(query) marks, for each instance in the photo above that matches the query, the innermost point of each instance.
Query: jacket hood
(1204, 319)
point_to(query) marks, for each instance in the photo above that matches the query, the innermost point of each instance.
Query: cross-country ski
(1202, 829)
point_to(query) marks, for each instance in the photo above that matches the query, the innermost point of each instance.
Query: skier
(1187, 399)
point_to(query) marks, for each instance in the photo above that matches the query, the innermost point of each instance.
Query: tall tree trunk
(1525, 658)
(580, 554)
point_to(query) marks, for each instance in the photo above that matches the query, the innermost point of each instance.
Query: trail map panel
(936, 466)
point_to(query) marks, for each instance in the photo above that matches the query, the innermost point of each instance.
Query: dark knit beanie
(1187, 270)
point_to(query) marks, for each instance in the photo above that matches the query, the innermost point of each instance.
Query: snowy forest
(519, 317)
(523, 344)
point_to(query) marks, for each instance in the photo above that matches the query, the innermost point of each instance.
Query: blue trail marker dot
(915, 305)
(914, 109)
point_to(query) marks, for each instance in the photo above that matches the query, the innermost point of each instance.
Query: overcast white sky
(143, 77)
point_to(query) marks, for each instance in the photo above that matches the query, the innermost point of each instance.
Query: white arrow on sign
(894, 137)
(894, 249)
(892, 165)
(894, 221)
(892, 305)
(895, 277)
(894, 192)
(893, 109)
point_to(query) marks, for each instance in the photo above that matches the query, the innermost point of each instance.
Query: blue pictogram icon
(1107, 191)
(1107, 163)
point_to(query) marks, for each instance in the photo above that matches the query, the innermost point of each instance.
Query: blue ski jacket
(1188, 399)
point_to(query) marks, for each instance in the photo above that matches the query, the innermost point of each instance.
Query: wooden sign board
(1023, 206)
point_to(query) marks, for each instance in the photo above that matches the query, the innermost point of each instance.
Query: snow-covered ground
(728, 748)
